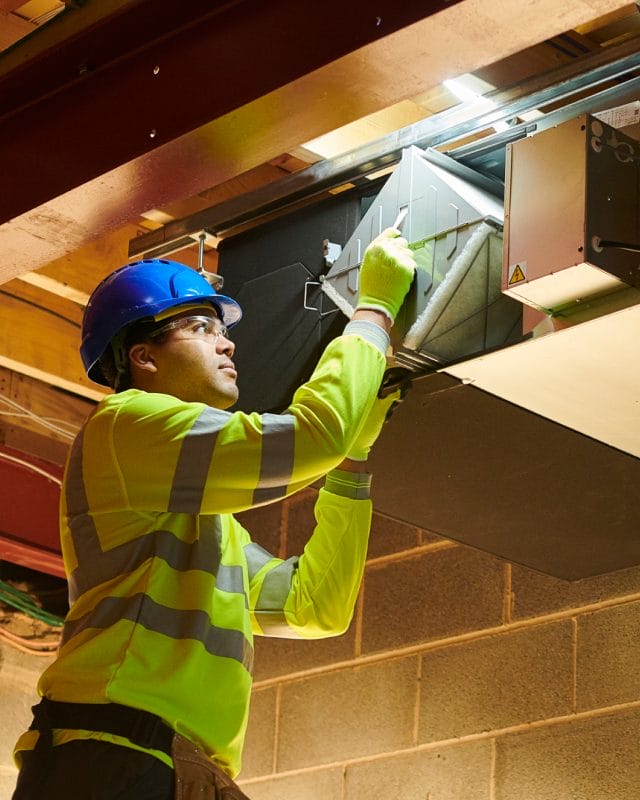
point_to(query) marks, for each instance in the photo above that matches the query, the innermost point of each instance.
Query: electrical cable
(32, 467)
(25, 603)
(33, 644)
(44, 421)
(29, 646)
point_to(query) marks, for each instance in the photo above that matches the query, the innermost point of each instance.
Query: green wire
(23, 602)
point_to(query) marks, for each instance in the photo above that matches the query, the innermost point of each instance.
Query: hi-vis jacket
(166, 587)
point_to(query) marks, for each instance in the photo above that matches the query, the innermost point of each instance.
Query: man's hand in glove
(380, 412)
(386, 273)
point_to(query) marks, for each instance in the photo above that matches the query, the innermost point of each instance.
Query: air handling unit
(572, 230)
(456, 307)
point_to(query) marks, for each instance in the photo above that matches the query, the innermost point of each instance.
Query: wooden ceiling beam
(13, 28)
(44, 346)
(37, 418)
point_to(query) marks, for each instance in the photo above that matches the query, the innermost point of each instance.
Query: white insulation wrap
(445, 291)
(333, 294)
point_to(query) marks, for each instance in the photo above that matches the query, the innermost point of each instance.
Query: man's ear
(141, 357)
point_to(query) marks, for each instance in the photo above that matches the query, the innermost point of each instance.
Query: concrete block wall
(462, 677)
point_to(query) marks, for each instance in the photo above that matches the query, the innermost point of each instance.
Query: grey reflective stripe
(356, 485)
(276, 586)
(278, 440)
(96, 566)
(74, 494)
(82, 528)
(229, 579)
(256, 557)
(192, 468)
(370, 332)
(177, 624)
(274, 623)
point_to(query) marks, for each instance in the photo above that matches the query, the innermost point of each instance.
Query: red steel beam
(29, 533)
(155, 70)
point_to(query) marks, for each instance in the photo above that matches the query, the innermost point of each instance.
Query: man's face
(192, 357)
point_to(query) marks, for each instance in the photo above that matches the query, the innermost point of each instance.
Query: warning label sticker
(517, 273)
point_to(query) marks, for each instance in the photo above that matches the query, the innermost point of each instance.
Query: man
(151, 686)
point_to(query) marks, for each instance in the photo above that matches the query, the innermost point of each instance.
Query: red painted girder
(155, 70)
(30, 492)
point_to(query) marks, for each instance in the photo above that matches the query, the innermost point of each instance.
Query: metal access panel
(456, 307)
(571, 213)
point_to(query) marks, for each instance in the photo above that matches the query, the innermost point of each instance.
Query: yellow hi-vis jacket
(166, 588)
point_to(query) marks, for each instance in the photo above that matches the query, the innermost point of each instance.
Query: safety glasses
(208, 328)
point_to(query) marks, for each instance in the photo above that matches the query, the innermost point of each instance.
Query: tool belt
(196, 776)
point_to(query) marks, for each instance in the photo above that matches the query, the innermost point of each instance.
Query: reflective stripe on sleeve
(278, 440)
(356, 485)
(276, 586)
(274, 624)
(256, 557)
(369, 331)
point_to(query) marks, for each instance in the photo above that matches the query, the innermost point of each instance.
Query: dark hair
(114, 362)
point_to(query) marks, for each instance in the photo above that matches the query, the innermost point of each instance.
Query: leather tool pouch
(197, 777)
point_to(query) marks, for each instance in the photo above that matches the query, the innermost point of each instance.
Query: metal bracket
(331, 252)
(305, 301)
(215, 280)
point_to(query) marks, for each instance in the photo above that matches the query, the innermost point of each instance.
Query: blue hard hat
(138, 291)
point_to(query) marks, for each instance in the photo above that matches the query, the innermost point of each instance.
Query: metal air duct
(456, 307)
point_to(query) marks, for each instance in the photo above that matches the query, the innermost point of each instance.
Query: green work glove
(386, 273)
(380, 412)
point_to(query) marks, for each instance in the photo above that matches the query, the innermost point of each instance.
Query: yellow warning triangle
(517, 275)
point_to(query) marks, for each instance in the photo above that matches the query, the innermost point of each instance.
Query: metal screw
(156, 69)
(152, 134)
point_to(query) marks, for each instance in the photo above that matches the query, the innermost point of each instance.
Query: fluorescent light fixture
(464, 93)
(463, 89)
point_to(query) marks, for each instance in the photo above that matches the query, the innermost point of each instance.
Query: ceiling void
(121, 112)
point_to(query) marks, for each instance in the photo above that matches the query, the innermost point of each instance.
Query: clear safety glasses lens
(207, 327)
